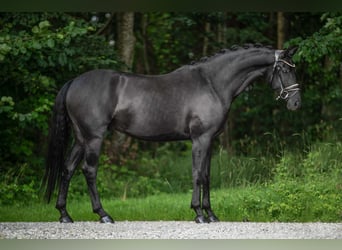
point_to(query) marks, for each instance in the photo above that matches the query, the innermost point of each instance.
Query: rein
(288, 91)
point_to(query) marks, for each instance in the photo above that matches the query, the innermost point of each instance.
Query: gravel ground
(170, 230)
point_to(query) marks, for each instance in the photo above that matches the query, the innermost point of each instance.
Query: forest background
(295, 157)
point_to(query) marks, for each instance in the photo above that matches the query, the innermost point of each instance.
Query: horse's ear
(291, 51)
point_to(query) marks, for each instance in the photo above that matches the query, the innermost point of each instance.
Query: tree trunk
(281, 23)
(126, 38)
(144, 23)
(341, 74)
(206, 39)
(272, 20)
(118, 147)
(221, 33)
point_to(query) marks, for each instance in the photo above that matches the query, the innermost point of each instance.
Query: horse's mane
(228, 50)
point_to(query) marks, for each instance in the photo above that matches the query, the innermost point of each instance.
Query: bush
(119, 182)
(309, 188)
(16, 187)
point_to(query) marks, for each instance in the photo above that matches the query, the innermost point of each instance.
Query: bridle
(288, 91)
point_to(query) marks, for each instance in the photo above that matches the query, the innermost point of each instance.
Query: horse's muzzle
(294, 102)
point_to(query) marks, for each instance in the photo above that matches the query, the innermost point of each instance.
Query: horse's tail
(58, 143)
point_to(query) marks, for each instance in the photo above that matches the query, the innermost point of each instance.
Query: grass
(293, 201)
(156, 207)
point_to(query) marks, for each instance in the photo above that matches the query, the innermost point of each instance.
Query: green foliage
(39, 52)
(17, 186)
(167, 172)
(308, 187)
(175, 39)
(172, 46)
(120, 181)
(319, 70)
(240, 171)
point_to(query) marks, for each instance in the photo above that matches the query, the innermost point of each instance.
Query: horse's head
(283, 78)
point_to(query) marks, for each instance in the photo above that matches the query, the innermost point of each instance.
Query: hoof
(65, 219)
(201, 219)
(213, 218)
(106, 219)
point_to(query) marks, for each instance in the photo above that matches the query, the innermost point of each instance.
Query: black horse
(190, 103)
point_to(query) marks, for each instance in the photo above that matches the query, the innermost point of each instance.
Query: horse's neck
(233, 73)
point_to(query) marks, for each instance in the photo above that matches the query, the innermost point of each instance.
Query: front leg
(196, 197)
(206, 205)
(201, 148)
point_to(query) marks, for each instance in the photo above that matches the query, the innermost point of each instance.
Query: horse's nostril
(294, 105)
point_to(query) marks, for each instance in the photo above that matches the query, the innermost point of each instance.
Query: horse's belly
(154, 127)
(158, 130)
(160, 137)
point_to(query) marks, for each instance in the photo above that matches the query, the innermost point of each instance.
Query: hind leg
(90, 167)
(74, 159)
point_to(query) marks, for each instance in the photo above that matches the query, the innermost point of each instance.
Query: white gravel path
(169, 230)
